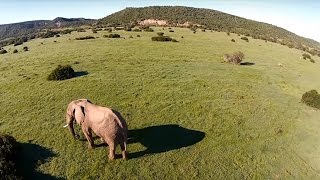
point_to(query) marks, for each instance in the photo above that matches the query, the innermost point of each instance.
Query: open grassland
(253, 123)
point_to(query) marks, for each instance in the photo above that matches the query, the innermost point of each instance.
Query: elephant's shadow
(162, 138)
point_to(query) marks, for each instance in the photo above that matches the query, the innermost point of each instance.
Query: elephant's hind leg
(112, 147)
(123, 149)
(88, 134)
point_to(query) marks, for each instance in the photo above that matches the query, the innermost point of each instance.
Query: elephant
(106, 123)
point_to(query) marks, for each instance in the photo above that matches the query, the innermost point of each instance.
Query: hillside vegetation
(214, 20)
(29, 29)
(190, 114)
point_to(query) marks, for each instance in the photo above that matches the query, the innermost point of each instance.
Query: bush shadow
(29, 157)
(163, 138)
(81, 73)
(247, 64)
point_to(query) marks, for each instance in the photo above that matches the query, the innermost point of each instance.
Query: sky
(298, 16)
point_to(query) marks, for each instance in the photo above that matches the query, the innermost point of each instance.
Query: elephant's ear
(79, 114)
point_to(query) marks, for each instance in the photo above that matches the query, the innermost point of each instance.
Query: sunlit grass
(255, 126)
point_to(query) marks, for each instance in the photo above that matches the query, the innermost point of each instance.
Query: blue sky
(299, 16)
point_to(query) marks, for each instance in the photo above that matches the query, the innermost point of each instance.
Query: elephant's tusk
(66, 125)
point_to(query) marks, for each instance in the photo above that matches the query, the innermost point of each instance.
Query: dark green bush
(228, 33)
(15, 51)
(182, 37)
(85, 37)
(3, 51)
(81, 30)
(245, 38)
(57, 35)
(25, 48)
(311, 98)
(171, 31)
(61, 73)
(138, 35)
(232, 40)
(8, 152)
(94, 31)
(161, 38)
(112, 36)
(160, 33)
(312, 60)
(306, 56)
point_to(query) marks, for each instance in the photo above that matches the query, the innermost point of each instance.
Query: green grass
(255, 126)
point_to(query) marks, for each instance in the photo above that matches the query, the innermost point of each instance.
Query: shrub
(15, 51)
(3, 51)
(61, 73)
(136, 30)
(311, 60)
(194, 32)
(8, 152)
(138, 35)
(148, 30)
(85, 37)
(127, 29)
(160, 33)
(171, 31)
(94, 31)
(112, 36)
(203, 30)
(182, 37)
(306, 56)
(174, 40)
(57, 35)
(25, 48)
(17, 43)
(228, 33)
(245, 38)
(81, 30)
(130, 36)
(161, 38)
(232, 40)
(311, 98)
(234, 58)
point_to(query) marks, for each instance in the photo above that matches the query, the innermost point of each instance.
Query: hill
(214, 20)
(16, 30)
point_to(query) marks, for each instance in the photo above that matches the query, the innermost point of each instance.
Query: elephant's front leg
(88, 134)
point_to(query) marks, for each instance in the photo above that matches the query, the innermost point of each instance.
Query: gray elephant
(104, 122)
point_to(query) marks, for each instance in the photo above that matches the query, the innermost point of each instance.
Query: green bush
(228, 33)
(3, 51)
(25, 48)
(311, 98)
(15, 51)
(245, 38)
(138, 35)
(182, 37)
(234, 58)
(112, 36)
(8, 152)
(171, 31)
(232, 40)
(306, 56)
(312, 60)
(61, 73)
(94, 31)
(85, 37)
(160, 33)
(161, 38)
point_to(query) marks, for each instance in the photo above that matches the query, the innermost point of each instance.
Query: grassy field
(191, 116)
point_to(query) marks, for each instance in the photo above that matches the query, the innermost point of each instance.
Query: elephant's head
(75, 111)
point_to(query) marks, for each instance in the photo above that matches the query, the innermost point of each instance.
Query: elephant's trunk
(70, 121)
